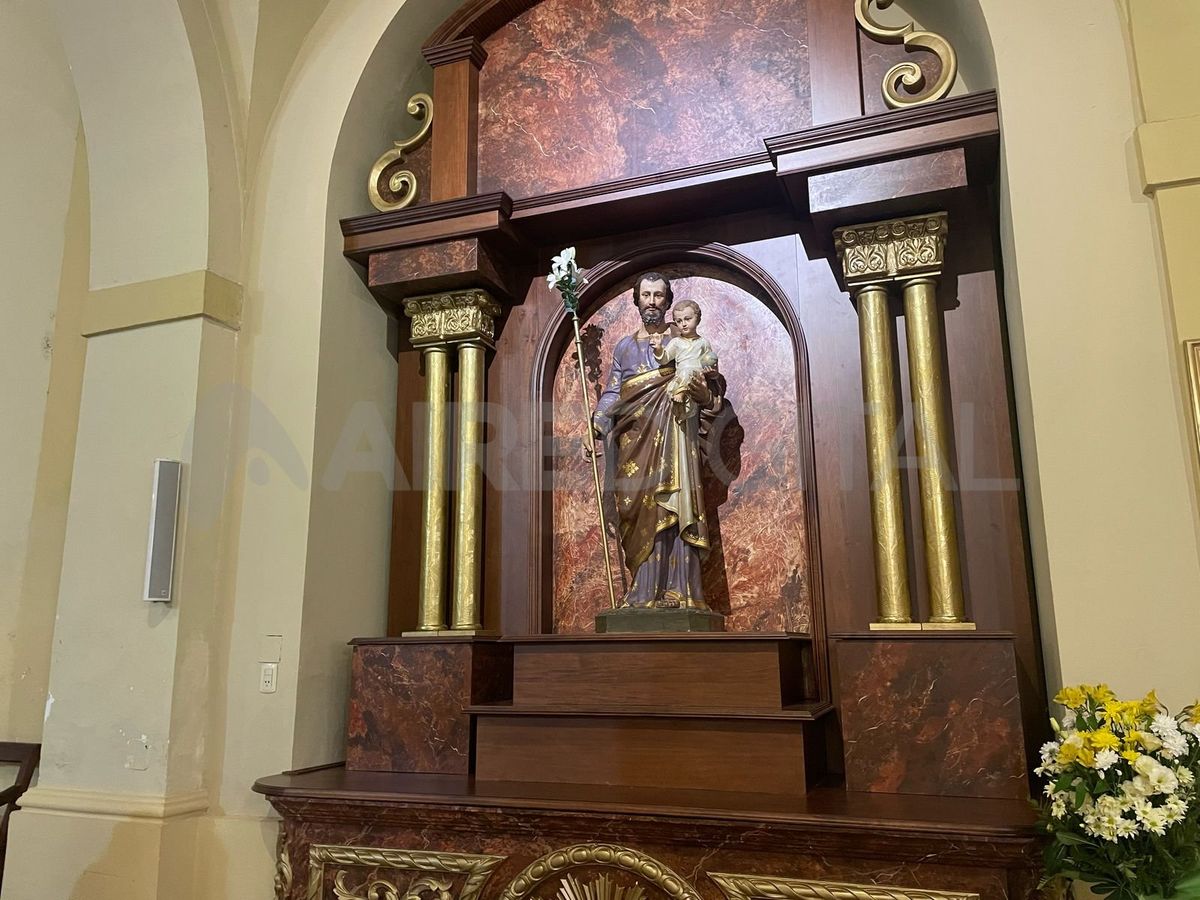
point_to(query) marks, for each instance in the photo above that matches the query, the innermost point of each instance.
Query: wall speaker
(164, 512)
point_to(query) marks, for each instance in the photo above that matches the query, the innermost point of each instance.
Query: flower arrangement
(565, 278)
(1121, 803)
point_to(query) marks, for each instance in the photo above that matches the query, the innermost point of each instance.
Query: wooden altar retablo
(863, 726)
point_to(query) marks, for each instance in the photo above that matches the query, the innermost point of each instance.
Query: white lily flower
(552, 279)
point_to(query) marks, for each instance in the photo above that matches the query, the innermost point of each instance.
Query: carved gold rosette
(423, 886)
(897, 249)
(400, 185)
(454, 316)
(648, 874)
(750, 887)
(904, 84)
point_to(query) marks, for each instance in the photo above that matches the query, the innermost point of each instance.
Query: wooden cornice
(883, 136)
(483, 214)
(452, 51)
(478, 19)
(725, 186)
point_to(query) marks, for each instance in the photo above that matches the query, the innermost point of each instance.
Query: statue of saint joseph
(654, 428)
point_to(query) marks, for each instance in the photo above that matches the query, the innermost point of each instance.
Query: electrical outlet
(267, 677)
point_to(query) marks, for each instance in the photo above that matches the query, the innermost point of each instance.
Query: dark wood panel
(907, 822)
(405, 559)
(455, 130)
(690, 674)
(731, 755)
(834, 62)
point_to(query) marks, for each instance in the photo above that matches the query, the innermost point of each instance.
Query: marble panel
(407, 701)
(579, 92)
(932, 716)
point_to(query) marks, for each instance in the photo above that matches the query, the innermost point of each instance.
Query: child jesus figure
(692, 354)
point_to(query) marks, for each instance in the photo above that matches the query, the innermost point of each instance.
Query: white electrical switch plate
(266, 678)
(270, 648)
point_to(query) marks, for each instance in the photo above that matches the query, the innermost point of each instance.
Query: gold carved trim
(896, 250)
(455, 316)
(403, 183)
(1192, 350)
(283, 866)
(613, 856)
(904, 84)
(476, 867)
(750, 887)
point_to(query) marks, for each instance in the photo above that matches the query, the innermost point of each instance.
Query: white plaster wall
(112, 669)
(1116, 552)
(142, 113)
(38, 105)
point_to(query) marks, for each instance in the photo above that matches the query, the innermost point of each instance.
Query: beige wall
(37, 102)
(276, 110)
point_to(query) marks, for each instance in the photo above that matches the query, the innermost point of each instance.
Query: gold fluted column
(931, 425)
(877, 341)
(432, 614)
(464, 320)
(468, 524)
(909, 252)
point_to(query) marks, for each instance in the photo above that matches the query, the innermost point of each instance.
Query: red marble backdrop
(756, 573)
(579, 92)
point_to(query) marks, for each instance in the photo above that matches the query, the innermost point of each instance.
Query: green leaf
(1072, 840)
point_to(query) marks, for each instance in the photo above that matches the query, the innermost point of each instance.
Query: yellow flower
(1101, 693)
(1071, 697)
(1149, 705)
(1130, 755)
(1122, 713)
(1103, 739)
(1086, 757)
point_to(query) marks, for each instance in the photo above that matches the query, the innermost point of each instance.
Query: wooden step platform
(712, 711)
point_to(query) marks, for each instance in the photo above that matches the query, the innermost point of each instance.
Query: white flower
(564, 263)
(1126, 828)
(1153, 777)
(1058, 808)
(1174, 809)
(1186, 777)
(1164, 725)
(1192, 728)
(1174, 745)
(1132, 791)
(1069, 719)
(1153, 819)
(1106, 759)
(552, 279)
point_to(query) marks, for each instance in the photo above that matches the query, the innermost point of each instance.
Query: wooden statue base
(648, 621)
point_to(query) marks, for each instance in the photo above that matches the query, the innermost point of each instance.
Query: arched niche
(763, 570)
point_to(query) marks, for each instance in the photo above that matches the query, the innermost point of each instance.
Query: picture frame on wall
(1191, 351)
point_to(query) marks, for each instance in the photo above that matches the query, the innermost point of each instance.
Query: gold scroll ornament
(751, 887)
(401, 184)
(424, 886)
(904, 84)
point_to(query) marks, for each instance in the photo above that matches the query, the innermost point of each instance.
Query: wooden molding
(453, 51)
(478, 19)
